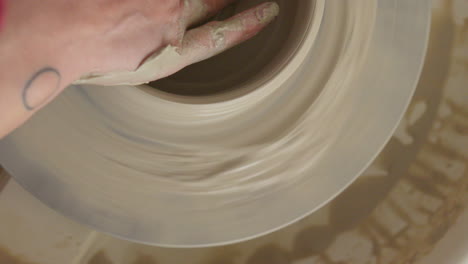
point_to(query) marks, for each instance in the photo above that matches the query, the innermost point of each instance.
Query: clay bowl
(203, 159)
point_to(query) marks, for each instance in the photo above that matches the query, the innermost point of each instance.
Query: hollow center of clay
(253, 61)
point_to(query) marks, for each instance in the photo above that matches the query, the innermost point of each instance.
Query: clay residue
(161, 62)
(268, 13)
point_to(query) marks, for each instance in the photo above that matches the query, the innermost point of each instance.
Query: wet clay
(221, 158)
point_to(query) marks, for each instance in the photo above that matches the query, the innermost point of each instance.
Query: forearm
(31, 71)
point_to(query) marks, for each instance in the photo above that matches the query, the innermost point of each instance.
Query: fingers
(215, 37)
(197, 11)
(198, 44)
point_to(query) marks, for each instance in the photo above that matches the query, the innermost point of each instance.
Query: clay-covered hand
(160, 24)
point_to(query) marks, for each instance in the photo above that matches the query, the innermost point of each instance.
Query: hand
(46, 45)
(185, 47)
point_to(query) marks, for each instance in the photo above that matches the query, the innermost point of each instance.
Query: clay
(216, 157)
(239, 164)
(167, 57)
(248, 62)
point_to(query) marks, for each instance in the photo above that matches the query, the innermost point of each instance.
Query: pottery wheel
(197, 159)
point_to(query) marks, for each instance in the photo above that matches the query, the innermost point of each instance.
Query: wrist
(30, 42)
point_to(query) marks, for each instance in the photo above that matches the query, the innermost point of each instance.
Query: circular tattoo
(33, 97)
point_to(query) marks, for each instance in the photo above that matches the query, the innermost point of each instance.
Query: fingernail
(268, 12)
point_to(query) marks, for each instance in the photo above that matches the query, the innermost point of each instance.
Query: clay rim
(272, 79)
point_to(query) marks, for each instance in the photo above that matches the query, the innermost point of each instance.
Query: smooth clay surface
(138, 162)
